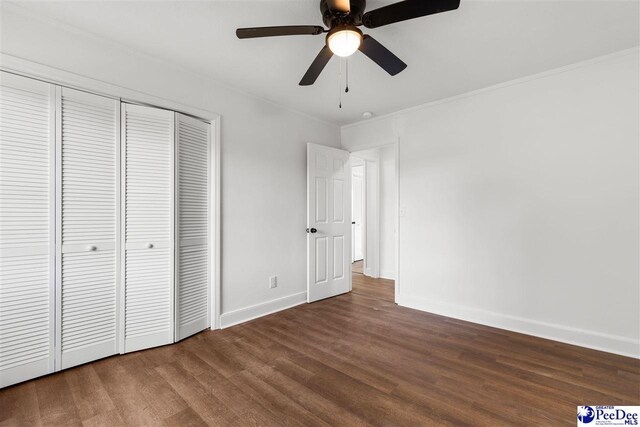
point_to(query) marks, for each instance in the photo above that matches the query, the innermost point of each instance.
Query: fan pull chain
(346, 88)
(339, 88)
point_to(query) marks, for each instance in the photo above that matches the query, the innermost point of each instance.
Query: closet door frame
(215, 223)
(55, 76)
(211, 215)
(55, 345)
(58, 224)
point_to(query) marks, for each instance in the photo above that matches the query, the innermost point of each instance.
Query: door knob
(149, 245)
(92, 248)
(311, 230)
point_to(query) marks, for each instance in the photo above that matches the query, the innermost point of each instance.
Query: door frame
(363, 219)
(395, 142)
(371, 217)
(54, 76)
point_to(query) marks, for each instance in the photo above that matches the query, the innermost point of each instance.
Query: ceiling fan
(343, 17)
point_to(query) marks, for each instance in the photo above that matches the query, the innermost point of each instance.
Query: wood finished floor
(357, 359)
(357, 266)
(382, 289)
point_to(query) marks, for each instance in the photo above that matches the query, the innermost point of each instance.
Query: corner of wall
(388, 274)
(580, 337)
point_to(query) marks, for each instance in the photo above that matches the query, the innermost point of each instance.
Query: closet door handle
(92, 248)
(149, 245)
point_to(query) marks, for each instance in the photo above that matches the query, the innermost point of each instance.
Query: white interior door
(328, 222)
(27, 236)
(88, 178)
(192, 271)
(148, 147)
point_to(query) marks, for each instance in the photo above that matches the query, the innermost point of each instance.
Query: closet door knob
(149, 245)
(92, 248)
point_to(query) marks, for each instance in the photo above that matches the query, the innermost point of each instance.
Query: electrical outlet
(273, 282)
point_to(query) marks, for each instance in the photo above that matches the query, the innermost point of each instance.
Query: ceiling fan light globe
(344, 42)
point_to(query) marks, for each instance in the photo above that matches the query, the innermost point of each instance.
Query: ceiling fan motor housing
(332, 18)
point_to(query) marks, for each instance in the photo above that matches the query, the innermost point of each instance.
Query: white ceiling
(480, 44)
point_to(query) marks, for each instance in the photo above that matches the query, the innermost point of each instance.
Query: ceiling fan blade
(288, 30)
(381, 55)
(316, 67)
(405, 10)
(343, 6)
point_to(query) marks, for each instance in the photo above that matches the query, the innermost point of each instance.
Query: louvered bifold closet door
(88, 227)
(148, 144)
(193, 284)
(27, 237)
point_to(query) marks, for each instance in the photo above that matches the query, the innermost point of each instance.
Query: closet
(105, 227)
(148, 147)
(27, 228)
(194, 185)
(87, 226)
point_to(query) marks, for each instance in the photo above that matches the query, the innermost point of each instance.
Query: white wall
(522, 204)
(263, 157)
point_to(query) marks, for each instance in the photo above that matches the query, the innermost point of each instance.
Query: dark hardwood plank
(89, 395)
(353, 360)
(185, 418)
(105, 419)
(377, 288)
(211, 410)
(55, 402)
(125, 393)
(163, 399)
(19, 405)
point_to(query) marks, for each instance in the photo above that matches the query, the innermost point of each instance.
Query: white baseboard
(254, 311)
(388, 274)
(566, 334)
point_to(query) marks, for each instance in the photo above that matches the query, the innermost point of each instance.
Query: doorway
(357, 215)
(351, 250)
(374, 217)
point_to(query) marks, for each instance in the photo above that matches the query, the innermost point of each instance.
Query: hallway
(382, 289)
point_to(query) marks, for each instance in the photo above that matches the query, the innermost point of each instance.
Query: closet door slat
(148, 145)
(27, 229)
(88, 227)
(193, 281)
